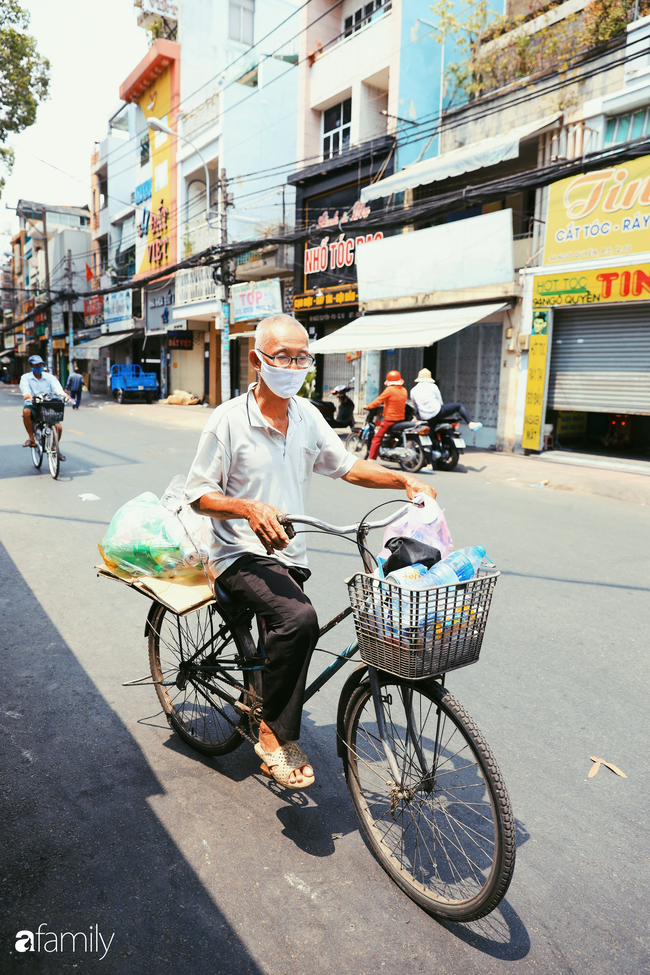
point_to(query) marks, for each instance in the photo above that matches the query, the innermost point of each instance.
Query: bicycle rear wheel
(53, 452)
(37, 451)
(184, 653)
(445, 834)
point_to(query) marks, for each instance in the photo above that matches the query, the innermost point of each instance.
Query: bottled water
(458, 567)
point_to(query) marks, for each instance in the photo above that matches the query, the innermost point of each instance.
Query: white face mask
(285, 383)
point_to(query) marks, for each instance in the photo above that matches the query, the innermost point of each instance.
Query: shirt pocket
(308, 458)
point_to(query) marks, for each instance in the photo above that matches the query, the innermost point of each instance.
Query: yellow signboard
(600, 214)
(534, 412)
(155, 227)
(600, 286)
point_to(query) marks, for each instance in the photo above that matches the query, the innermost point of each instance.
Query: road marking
(80, 432)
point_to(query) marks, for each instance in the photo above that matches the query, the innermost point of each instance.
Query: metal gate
(468, 371)
(337, 371)
(600, 359)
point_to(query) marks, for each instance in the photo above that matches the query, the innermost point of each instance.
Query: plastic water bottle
(458, 567)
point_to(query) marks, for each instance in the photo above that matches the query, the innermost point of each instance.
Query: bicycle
(45, 434)
(423, 782)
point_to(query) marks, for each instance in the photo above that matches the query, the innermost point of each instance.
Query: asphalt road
(110, 823)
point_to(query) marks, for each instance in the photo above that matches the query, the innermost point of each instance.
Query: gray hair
(267, 325)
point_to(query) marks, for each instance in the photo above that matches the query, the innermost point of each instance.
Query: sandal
(282, 762)
(29, 443)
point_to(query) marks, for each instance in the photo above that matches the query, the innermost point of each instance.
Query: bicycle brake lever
(288, 526)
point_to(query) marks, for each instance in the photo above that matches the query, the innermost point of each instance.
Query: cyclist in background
(34, 383)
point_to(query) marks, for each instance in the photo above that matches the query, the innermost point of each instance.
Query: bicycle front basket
(52, 410)
(420, 633)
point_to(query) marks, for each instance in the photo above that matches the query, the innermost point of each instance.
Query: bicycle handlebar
(344, 529)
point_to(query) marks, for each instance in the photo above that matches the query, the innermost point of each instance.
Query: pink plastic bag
(427, 524)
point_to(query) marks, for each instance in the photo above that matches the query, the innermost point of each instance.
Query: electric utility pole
(225, 283)
(48, 318)
(68, 275)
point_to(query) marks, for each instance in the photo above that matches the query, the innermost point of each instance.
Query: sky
(92, 45)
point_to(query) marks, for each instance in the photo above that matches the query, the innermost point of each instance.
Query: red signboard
(94, 306)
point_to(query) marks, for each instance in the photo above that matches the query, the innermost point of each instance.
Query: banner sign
(94, 310)
(534, 412)
(256, 299)
(180, 340)
(599, 214)
(327, 298)
(58, 326)
(84, 352)
(117, 306)
(155, 240)
(58, 343)
(599, 286)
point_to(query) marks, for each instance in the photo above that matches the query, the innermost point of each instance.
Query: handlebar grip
(287, 525)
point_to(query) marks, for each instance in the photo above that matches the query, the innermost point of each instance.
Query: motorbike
(446, 444)
(343, 416)
(404, 444)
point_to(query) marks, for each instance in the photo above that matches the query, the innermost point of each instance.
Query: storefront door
(187, 366)
(468, 368)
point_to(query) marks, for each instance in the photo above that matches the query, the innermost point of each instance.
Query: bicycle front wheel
(186, 656)
(53, 452)
(445, 833)
(37, 451)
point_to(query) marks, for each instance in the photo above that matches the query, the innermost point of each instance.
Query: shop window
(625, 128)
(336, 129)
(240, 21)
(145, 150)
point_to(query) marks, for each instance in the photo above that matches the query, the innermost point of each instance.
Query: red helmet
(393, 378)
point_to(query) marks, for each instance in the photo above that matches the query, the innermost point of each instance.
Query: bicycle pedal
(241, 708)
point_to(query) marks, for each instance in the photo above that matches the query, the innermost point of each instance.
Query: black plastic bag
(409, 551)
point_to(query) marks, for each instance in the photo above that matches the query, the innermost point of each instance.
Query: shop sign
(41, 330)
(180, 340)
(58, 326)
(599, 214)
(336, 254)
(142, 192)
(328, 298)
(536, 385)
(117, 306)
(570, 423)
(83, 352)
(598, 286)
(157, 249)
(256, 300)
(94, 310)
(58, 343)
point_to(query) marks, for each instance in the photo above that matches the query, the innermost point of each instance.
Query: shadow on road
(81, 845)
(502, 934)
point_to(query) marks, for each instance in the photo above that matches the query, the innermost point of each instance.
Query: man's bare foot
(270, 742)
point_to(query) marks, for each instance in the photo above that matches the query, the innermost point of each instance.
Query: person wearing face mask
(35, 382)
(254, 462)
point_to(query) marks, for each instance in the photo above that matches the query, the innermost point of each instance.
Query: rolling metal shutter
(600, 359)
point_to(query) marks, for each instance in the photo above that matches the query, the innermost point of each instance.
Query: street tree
(24, 79)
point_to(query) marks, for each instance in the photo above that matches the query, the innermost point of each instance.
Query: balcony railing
(377, 14)
(196, 284)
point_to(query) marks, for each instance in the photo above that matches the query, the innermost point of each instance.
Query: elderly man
(254, 462)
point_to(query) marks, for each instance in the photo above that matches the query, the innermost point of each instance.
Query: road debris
(601, 761)
(89, 497)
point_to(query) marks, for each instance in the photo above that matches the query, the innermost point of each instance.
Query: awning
(466, 159)
(405, 330)
(100, 343)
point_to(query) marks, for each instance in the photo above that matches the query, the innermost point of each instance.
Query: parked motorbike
(404, 444)
(344, 415)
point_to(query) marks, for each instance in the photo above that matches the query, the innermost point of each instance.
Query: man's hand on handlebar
(413, 486)
(264, 520)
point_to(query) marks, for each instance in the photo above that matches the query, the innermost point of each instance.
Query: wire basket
(51, 411)
(420, 633)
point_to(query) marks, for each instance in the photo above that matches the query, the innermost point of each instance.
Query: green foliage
(24, 78)
(488, 64)
(309, 384)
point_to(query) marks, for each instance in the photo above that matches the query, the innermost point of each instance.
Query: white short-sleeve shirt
(241, 456)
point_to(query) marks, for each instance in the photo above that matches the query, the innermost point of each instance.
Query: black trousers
(448, 408)
(275, 593)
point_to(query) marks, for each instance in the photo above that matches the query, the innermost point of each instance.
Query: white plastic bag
(426, 523)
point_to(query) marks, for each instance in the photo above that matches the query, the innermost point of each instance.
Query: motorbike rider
(393, 399)
(345, 413)
(427, 400)
(41, 382)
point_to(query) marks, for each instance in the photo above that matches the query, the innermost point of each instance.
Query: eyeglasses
(284, 361)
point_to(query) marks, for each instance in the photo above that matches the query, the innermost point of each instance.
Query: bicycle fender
(148, 625)
(350, 686)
